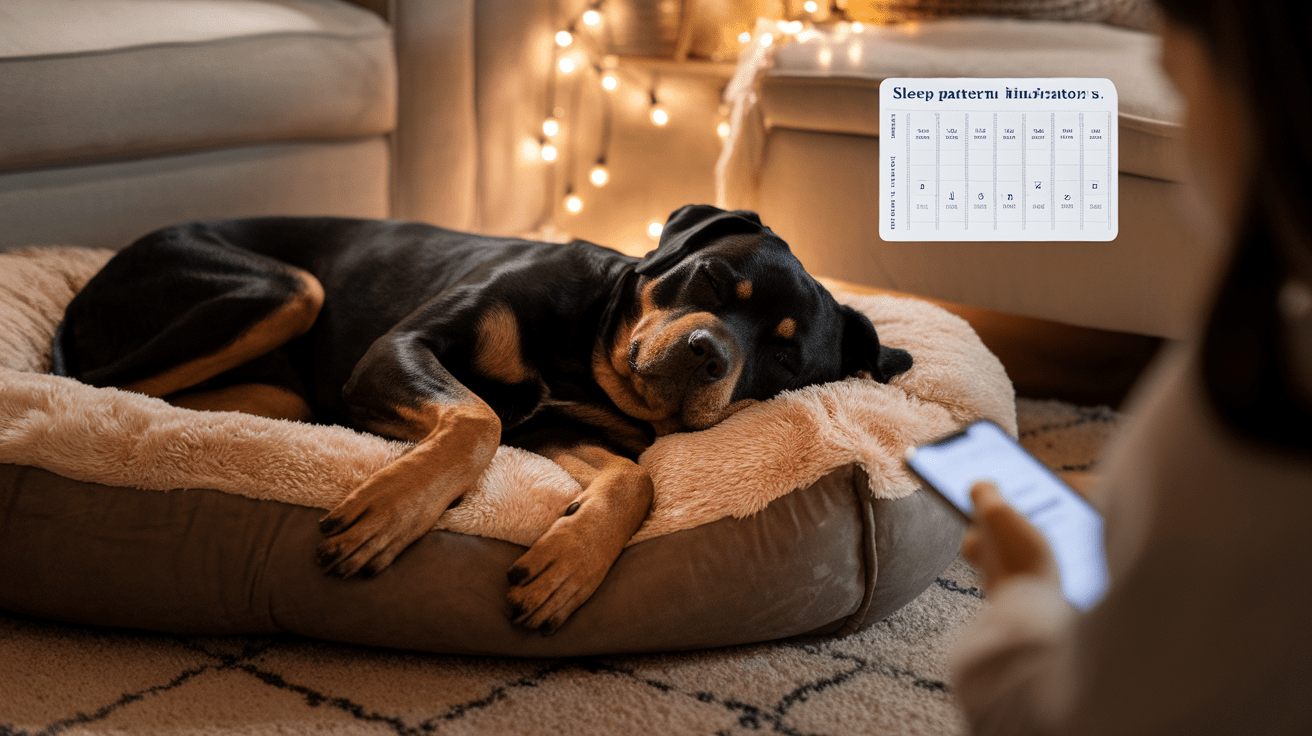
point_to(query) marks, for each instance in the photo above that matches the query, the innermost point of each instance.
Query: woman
(1207, 627)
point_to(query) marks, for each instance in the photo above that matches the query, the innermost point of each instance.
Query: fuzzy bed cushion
(793, 516)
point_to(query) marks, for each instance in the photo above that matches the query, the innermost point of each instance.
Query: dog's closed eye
(704, 287)
(786, 361)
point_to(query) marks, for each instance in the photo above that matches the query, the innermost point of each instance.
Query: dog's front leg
(401, 390)
(568, 562)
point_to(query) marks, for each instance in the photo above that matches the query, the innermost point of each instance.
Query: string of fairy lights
(580, 56)
(577, 48)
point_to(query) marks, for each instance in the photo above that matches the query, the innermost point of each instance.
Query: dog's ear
(691, 227)
(862, 350)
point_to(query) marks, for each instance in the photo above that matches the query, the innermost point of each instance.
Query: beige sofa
(805, 148)
(120, 116)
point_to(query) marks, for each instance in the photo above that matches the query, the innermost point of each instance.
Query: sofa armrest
(435, 144)
(434, 148)
(472, 79)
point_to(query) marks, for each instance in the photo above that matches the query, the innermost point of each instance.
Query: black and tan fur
(460, 343)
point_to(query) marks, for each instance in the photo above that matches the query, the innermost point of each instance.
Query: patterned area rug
(889, 679)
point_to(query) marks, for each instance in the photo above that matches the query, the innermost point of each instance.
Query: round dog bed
(795, 516)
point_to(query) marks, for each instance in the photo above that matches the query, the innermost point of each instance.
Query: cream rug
(889, 679)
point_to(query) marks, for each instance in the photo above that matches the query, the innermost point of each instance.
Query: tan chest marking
(618, 428)
(497, 353)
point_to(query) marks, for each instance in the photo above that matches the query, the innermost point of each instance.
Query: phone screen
(1072, 527)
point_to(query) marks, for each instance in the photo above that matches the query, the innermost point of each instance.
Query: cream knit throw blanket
(733, 469)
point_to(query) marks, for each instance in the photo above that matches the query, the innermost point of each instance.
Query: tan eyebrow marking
(787, 328)
(744, 289)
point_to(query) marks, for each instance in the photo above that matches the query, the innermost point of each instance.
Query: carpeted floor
(889, 679)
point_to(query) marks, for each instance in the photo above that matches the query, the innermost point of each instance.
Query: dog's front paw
(364, 539)
(377, 522)
(556, 576)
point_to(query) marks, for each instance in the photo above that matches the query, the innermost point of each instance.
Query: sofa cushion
(122, 79)
(828, 81)
(111, 204)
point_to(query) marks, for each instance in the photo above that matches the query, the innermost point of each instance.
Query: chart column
(979, 175)
(1066, 144)
(922, 168)
(1095, 171)
(1038, 171)
(1010, 192)
(952, 171)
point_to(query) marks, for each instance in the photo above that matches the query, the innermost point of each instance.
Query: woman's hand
(1002, 544)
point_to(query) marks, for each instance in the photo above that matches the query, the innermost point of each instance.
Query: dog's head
(727, 316)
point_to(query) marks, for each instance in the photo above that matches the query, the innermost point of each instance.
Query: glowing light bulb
(573, 203)
(564, 38)
(599, 176)
(810, 6)
(659, 116)
(722, 129)
(609, 82)
(654, 229)
(825, 57)
(591, 18)
(744, 37)
(548, 152)
(858, 27)
(767, 39)
(550, 127)
(566, 64)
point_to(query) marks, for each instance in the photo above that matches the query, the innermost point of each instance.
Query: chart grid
(998, 159)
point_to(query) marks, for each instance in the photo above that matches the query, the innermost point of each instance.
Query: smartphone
(983, 451)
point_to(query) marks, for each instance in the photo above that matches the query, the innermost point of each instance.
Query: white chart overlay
(997, 159)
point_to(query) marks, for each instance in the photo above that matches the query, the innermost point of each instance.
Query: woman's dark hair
(1247, 359)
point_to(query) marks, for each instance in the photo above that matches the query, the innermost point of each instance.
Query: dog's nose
(713, 357)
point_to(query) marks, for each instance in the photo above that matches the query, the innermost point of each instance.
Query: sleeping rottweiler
(462, 342)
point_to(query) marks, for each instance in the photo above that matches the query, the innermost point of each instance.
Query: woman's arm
(1204, 628)
(1009, 650)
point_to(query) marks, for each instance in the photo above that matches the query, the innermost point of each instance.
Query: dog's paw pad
(325, 557)
(517, 575)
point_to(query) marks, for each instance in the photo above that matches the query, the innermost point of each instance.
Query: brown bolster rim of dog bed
(821, 560)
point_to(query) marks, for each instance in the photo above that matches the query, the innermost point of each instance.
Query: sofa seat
(185, 109)
(805, 149)
(151, 78)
